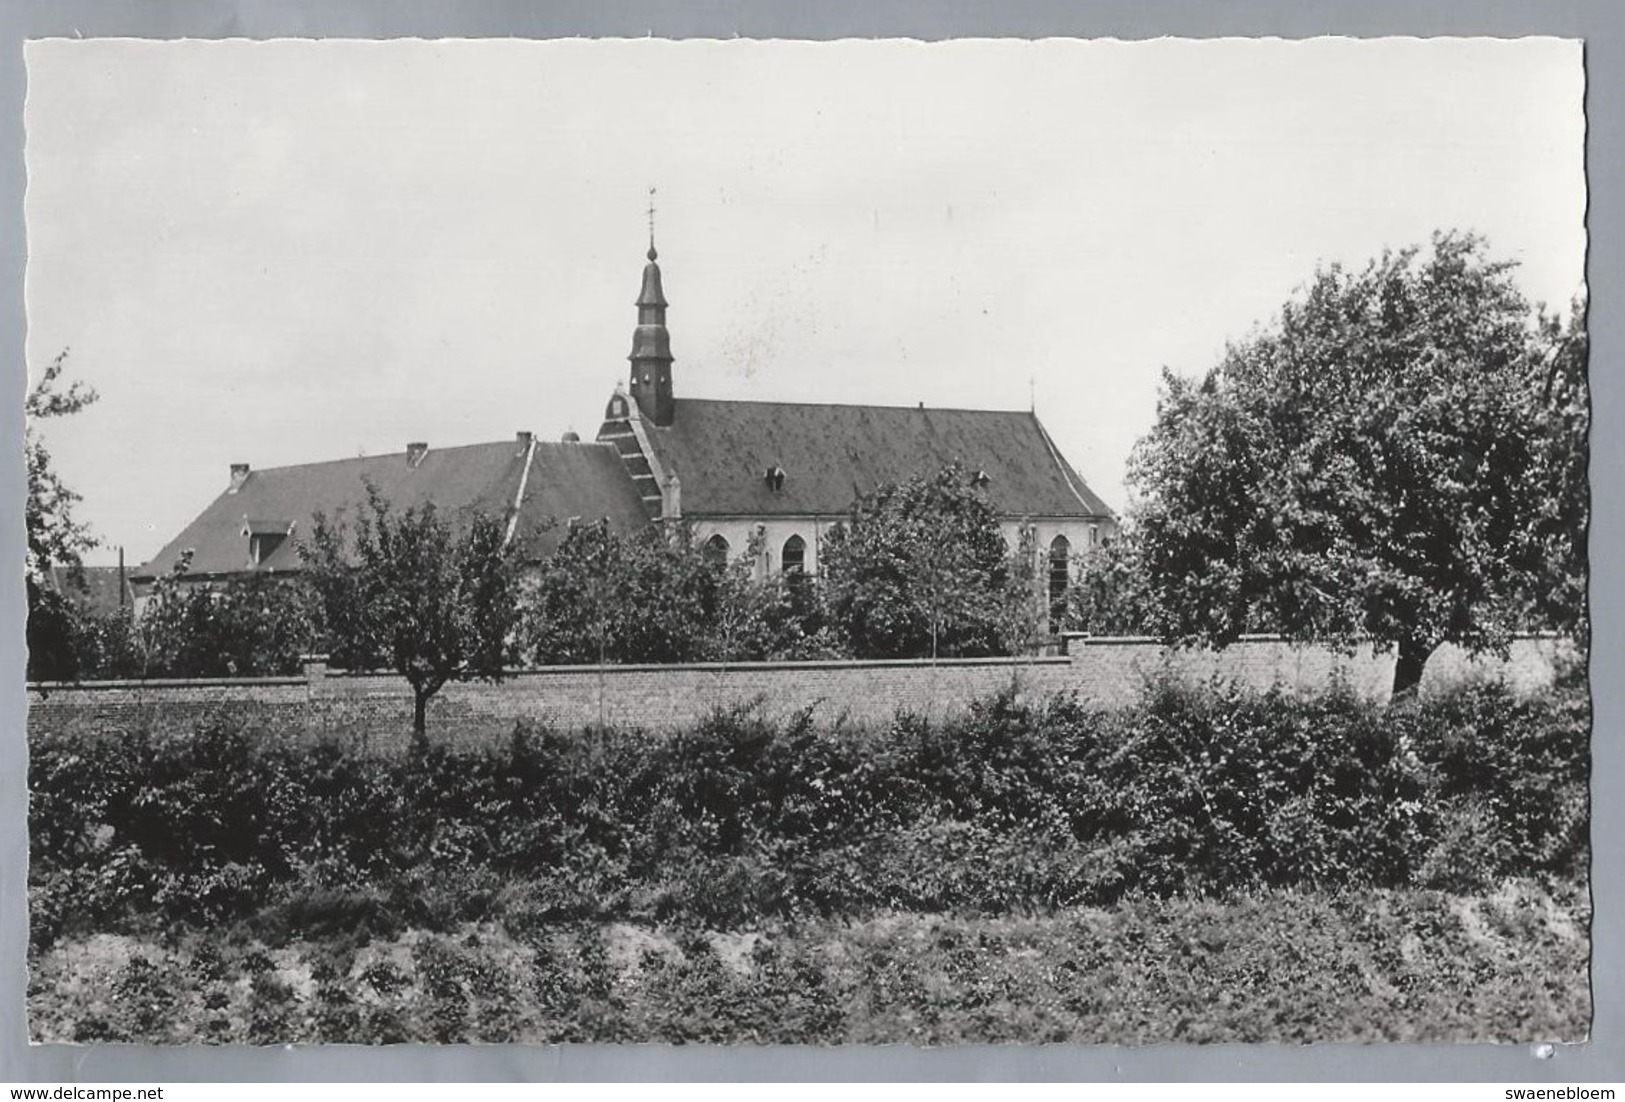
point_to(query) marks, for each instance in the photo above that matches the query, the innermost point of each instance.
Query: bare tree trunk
(420, 713)
(1413, 659)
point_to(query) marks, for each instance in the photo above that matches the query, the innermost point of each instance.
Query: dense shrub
(1011, 806)
(250, 626)
(657, 596)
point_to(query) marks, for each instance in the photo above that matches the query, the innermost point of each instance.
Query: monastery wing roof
(96, 588)
(832, 453)
(587, 481)
(563, 480)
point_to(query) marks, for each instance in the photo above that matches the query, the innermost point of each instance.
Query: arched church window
(1060, 554)
(793, 559)
(716, 551)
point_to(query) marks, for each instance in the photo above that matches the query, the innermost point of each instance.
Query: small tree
(569, 609)
(55, 537)
(1386, 463)
(920, 569)
(1109, 596)
(254, 626)
(1550, 553)
(1019, 609)
(432, 599)
(647, 596)
(762, 618)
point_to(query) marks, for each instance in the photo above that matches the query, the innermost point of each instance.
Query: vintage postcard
(818, 543)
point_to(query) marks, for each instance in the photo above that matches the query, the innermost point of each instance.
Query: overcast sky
(285, 252)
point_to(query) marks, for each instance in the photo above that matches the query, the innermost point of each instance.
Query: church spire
(651, 343)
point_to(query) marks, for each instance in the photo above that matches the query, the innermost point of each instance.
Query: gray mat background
(1600, 22)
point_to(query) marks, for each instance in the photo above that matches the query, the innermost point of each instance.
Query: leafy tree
(1019, 612)
(664, 597)
(52, 632)
(1109, 595)
(1556, 499)
(756, 619)
(605, 597)
(107, 645)
(1380, 465)
(434, 600)
(569, 612)
(654, 596)
(55, 537)
(920, 569)
(253, 626)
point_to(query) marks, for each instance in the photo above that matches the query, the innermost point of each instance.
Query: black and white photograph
(753, 542)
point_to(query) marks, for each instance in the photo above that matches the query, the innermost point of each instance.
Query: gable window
(793, 559)
(261, 548)
(716, 551)
(1060, 553)
(264, 537)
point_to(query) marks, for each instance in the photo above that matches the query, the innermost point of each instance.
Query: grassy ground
(1510, 965)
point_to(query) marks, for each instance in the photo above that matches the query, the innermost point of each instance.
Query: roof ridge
(848, 405)
(384, 455)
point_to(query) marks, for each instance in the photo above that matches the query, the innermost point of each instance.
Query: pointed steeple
(651, 343)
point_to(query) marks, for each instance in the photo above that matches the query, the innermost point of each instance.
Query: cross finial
(652, 253)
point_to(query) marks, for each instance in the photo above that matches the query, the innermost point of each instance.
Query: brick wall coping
(1087, 640)
(732, 667)
(168, 683)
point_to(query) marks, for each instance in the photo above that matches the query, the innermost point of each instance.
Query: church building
(774, 476)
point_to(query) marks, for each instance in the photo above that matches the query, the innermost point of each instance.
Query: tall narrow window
(716, 551)
(1060, 553)
(793, 560)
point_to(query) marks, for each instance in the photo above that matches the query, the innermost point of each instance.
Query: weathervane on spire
(652, 253)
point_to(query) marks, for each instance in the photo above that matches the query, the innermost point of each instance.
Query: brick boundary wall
(375, 709)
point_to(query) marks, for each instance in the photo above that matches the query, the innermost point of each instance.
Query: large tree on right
(1400, 459)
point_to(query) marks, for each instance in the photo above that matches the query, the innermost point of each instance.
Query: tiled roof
(588, 481)
(833, 453)
(565, 480)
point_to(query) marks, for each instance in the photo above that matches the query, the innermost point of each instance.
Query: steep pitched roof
(562, 480)
(568, 480)
(831, 454)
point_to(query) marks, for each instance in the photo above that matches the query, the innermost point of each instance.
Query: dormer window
(775, 478)
(264, 537)
(980, 480)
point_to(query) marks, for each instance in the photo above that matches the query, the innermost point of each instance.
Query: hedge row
(1011, 807)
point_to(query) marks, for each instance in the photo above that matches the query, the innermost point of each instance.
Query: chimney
(415, 453)
(524, 439)
(239, 475)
